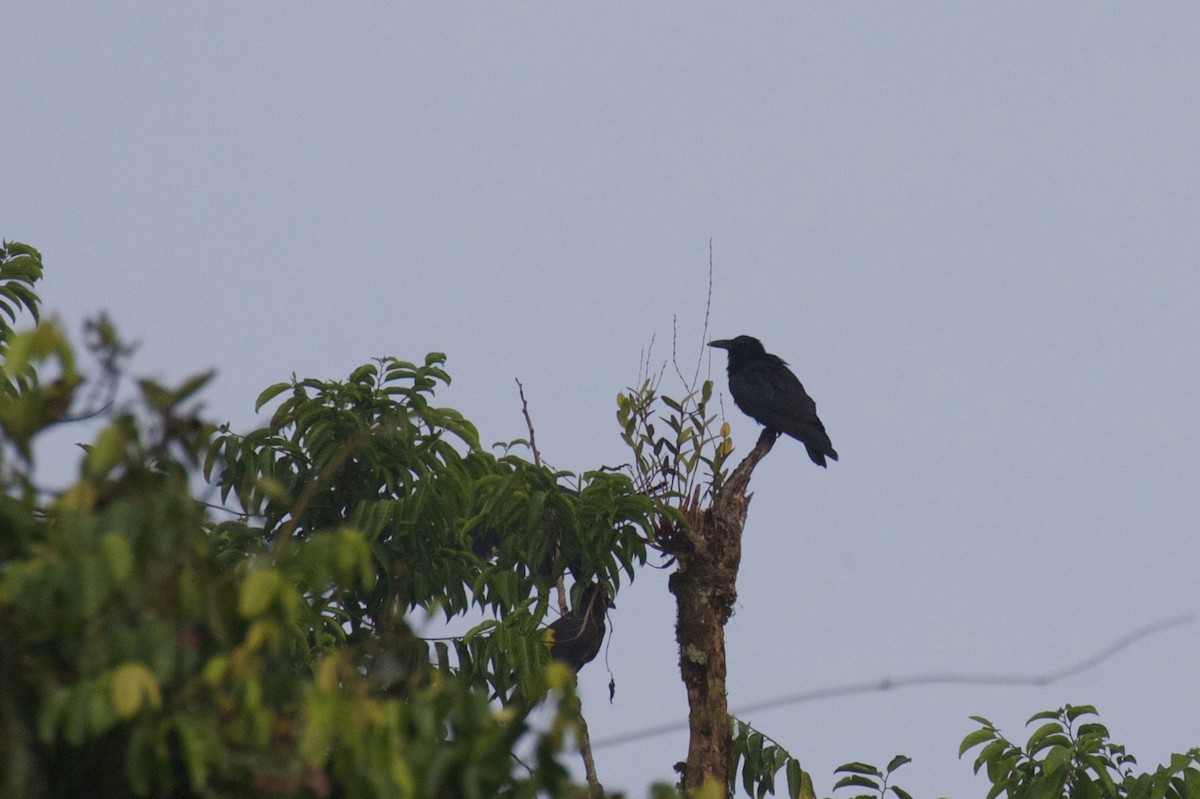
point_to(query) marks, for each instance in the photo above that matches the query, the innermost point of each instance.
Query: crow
(579, 633)
(767, 391)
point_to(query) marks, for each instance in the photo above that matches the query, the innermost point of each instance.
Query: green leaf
(1189, 786)
(157, 397)
(1179, 762)
(274, 490)
(1048, 741)
(107, 451)
(998, 787)
(974, 739)
(118, 556)
(795, 778)
(897, 761)
(1075, 711)
(321, 723)
(857, 780)
(1056, 758)
(1044, 731)
(1099, 767)
(754, 748)
(989, 753)
(750, 768)
(270, 393)
(1043, 787)
(1093, 730)
(858, 768)
(196, 746)
(134, 685)
(258, 590)
(192, 384)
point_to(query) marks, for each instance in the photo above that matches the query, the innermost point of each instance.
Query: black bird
(579, 633)
(767, 391)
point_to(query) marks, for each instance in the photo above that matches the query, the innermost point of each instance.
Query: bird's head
(742, 346)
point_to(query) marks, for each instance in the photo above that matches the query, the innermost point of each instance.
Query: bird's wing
(767, 391)
(773, 395)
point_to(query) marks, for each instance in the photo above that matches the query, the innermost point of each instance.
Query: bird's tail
(818, 454)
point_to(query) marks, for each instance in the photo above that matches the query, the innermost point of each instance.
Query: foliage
(863, 775)
(762, 758)
(20, 269)
(151, 649)
(680, 460)
(1069, 759)
(446, 525)
(33, 399)
(668, 466)
(152, 644)
(1060, 759)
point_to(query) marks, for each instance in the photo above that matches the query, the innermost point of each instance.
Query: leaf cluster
(449, 527)
(20, 269)
(761, 759)
(667, 463)
(37, 372)
(151, 649)
(866, 776)
(1067, 757)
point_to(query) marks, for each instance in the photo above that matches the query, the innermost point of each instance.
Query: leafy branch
(1068, 756)
(762, 758)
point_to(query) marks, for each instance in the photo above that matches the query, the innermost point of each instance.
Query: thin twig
(704, 331)
(83, 416)
(537, 456)
(584, 740)
(537, 459)
(675, 352)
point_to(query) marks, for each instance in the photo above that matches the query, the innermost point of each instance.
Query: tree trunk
(705, 588)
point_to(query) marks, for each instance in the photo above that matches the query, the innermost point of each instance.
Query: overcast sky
(973, 229)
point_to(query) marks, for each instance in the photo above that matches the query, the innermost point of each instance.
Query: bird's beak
(721, 343)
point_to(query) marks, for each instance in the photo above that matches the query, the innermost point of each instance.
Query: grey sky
(971, 228)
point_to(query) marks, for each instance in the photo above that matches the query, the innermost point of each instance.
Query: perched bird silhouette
(579, 633)
(767, 391)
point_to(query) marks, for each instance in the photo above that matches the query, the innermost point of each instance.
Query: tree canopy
(207, 612)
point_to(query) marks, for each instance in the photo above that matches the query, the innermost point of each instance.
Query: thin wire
(943, 678)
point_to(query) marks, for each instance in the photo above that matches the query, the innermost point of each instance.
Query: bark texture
(709, 552)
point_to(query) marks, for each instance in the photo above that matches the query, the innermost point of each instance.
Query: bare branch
(537, 456)
(704, 350)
